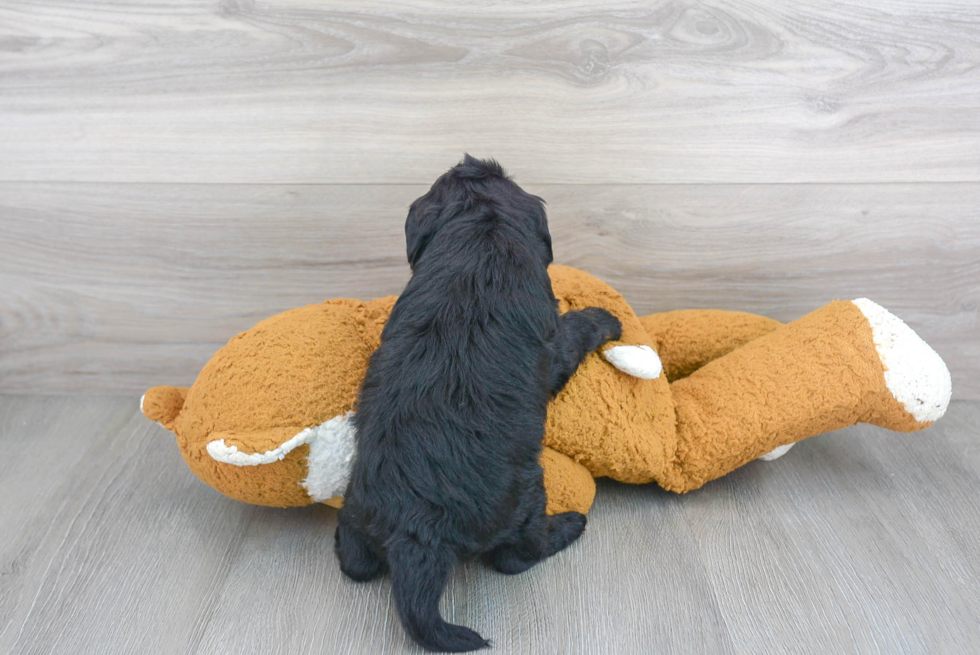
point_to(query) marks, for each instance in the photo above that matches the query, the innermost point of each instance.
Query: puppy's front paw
(606, 325)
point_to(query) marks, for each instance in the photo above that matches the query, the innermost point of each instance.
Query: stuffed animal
(683, 398)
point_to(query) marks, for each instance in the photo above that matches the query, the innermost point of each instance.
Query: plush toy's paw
(914, 373)
(776, 453)
(332, 446)
(638, 361)
(331, 453)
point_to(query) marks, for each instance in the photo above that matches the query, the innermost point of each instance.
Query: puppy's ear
(541, 225)
(420, 226)
(550, 252)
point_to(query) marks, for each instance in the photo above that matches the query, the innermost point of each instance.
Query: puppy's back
(451, 412)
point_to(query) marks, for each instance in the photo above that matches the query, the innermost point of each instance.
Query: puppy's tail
(418, 575)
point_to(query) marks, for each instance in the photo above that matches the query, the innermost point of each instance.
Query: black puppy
(451, 414)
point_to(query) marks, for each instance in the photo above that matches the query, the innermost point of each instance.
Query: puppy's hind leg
(539, 540)
(563, 529)
(357, 561)
(580, 332)
(538, 535)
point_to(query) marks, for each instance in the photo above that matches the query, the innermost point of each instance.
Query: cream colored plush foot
(638, 361)
(914, 373)
(332, 446)
(776, 453)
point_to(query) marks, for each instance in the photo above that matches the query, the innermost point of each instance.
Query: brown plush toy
(268, 420)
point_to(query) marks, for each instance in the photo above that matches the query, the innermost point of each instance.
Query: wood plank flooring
(860, 541)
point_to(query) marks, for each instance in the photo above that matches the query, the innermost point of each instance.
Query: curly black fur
(451, 413)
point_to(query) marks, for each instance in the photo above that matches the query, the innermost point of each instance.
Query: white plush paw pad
(638, 361)
(222, 452)
(332, 445)
(914, 373)
(331, 457)
(776, 453)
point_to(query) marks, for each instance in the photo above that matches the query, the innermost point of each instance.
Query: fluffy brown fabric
(744, 385)
(687, 339)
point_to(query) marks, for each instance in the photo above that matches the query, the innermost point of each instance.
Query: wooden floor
(860, 541)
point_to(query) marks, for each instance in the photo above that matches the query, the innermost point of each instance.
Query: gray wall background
(172, 172)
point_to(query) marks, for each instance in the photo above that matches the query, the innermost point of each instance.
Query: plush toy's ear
(163, 404)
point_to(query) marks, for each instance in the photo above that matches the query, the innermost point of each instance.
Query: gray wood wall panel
(859, 541)
(116, 287)
(624, 91)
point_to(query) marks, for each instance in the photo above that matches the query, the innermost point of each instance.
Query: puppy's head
(470, 183)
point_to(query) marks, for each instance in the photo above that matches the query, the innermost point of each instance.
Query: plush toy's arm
(248, 468)
(688, 339)
(264, 467)
(283, 467)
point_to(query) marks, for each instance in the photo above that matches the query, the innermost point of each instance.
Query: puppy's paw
(357, 562)
(509, 561)
(563, 529)
(606, 325)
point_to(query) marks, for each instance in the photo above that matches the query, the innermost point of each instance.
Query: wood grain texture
(118, 287)
(574, 92)
(105, 547)
(857, 541)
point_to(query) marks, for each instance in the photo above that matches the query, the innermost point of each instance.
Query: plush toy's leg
(567, 484)
(776, 453)
(687, 339)
(848, 362)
